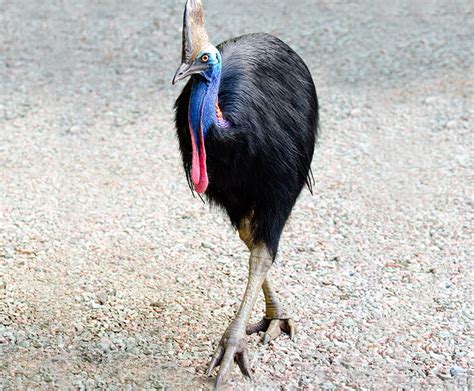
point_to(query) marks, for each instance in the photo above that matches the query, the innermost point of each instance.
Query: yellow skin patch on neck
(219, 112)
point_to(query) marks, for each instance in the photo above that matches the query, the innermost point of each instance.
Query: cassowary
(247, 123)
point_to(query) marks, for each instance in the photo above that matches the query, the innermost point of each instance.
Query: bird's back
(262, 77)
(258, 166)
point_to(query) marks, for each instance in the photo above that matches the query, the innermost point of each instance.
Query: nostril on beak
(181, 73)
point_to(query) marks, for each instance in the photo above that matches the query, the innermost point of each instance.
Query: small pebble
(355, 112)
(8, 252)
(451, 124)
(444, 334)
(455, 371)
(102, 298)
(105, 346)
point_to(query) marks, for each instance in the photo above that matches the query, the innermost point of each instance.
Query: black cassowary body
(247, 123)
(258, 166)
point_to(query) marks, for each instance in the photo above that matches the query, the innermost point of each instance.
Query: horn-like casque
(195, 37)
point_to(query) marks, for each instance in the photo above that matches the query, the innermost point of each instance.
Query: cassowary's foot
(232, 347)
(275, 320)
(273, 327)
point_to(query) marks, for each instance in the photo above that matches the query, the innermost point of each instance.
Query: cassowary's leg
(275, 320)
(233, 345)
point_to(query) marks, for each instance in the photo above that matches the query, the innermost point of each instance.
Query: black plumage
(258, 166)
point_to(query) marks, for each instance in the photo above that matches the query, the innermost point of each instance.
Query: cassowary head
(199, 56)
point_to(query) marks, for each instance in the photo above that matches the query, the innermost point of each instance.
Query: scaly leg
(233, 344)
(275, 320)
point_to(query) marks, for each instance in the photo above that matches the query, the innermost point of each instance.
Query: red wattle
(198, 165)
(195, 166)
(201, 186)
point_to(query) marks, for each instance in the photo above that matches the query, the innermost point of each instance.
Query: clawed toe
(230, 350)
(261, 325)
(273, 328)
(233, 346)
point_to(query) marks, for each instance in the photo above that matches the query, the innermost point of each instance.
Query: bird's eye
(205, 58)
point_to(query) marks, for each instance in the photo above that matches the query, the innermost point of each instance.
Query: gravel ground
(113, 276)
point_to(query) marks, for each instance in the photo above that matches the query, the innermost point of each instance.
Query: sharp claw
(266, 338)
(218, 382)
(215, 359)
(243, 361)
(292, 327)
(274, 329)
(225, 367)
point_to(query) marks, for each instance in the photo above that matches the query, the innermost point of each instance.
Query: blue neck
(202, 104)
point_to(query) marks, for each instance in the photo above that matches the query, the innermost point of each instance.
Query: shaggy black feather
(258, 166)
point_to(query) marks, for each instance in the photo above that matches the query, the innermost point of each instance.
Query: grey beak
(186, 70)
(181, 72)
